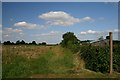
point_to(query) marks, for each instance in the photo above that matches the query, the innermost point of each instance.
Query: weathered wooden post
(111, 51)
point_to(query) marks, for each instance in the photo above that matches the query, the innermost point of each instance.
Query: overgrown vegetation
(48, 60)
(97, 58)
(116, 58)
(15, 65)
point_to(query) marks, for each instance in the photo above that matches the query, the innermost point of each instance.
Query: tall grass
(15, 65)
(47, 60)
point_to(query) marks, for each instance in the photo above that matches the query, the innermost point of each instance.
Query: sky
(60, 1)
(48, 21)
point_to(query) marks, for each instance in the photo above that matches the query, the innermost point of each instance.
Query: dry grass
(53, 61)
(28, 51)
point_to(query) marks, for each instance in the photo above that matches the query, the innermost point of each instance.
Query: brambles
(116, 58)
(97, 58)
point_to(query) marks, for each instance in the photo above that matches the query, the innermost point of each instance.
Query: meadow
(39, 61)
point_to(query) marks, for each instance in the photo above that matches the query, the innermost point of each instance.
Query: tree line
(22, 42)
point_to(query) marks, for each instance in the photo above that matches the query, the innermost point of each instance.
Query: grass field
(35, 61)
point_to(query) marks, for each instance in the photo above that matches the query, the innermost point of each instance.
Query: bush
(97, 58)
(116, 58)
(70, 41)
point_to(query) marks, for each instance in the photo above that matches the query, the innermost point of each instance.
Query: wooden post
(111, 51)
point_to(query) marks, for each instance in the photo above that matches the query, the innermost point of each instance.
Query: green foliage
(18, 67)
(116, 58)
(97, 58)
(15, 66)
(70, 41)
(40, 65)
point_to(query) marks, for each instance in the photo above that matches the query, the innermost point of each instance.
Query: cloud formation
(116, 31)
(89, 32)
(11, 30)
(26, 25)
(99, 32)
(61, 18)
(7, 32)
(56, 18)
(86, 19)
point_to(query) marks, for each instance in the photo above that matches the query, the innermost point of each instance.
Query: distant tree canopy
(33, 42)
(70, 41)
(7, 43)
(22, 42)
(43, 43)
(18, 42)
(12, 43)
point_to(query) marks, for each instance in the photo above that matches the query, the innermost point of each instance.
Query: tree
(22, 42)
(43, 43)
(7, 43)
(18, 42)
(70, 41)
(33, 42)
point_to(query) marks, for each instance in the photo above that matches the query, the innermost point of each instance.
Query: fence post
(111, 52)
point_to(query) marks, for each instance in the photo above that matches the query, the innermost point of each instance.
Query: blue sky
(60, 1)
(48, 21)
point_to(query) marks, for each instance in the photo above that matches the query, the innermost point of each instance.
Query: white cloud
(11, 30)
(8, 32)
(86, 19)
(61, 18)
(116, 30)
(100, 32)
(56, 18)
(89, 32)
(83, 32)
(29, 25)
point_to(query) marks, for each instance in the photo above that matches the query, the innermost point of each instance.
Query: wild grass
(15, 64)
(19, 61)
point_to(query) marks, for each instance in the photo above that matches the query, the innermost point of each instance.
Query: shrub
(70, 41)
(97, 58)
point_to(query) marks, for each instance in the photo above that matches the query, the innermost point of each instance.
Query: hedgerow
(97, 58)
